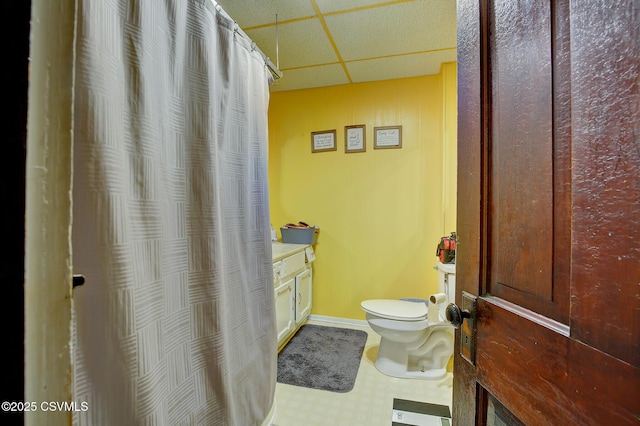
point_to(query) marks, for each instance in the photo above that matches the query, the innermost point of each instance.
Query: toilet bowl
(411, 346)
(416, 340)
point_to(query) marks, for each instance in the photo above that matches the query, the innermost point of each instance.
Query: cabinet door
(284, 309)
(303, 294)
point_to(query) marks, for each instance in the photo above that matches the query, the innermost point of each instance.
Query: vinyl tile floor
(369, 403)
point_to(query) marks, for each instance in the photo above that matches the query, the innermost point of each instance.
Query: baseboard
(337, 320)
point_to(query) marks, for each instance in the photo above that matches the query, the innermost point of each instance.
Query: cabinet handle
(78, 280)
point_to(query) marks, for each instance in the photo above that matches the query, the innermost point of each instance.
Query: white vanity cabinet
(292, 280)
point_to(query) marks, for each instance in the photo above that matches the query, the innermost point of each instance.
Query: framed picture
(323, 141)
(355, 139)
(387, 137)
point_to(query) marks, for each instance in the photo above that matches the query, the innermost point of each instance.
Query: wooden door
(549, 212)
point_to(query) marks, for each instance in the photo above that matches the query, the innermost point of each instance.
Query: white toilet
(416, 340)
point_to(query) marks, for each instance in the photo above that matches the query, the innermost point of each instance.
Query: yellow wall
(381, 212)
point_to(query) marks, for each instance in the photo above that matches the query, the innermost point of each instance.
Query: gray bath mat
(321, 357)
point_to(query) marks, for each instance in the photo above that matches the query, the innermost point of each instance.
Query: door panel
(549, 211)
(530, 365)
(285, 309)
(303, 295)
(522, 150)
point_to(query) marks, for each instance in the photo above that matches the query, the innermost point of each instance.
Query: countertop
(280, 250)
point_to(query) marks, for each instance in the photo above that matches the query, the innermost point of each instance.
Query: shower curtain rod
(277, 74)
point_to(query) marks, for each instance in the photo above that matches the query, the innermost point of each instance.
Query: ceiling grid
(327, 42)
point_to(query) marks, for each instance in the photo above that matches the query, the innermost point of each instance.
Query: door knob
(455, 315)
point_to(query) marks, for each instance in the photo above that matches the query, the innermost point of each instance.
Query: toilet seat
(401, 310)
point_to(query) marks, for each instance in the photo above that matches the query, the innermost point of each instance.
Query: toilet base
(435, 374)
(395, 363)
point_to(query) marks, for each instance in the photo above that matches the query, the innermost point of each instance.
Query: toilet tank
(447, 279)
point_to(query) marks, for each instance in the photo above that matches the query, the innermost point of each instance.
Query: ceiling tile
(252, 13)
(327, 6)
(399, 66)
(303, 78)
(300, 44)
(398, 28)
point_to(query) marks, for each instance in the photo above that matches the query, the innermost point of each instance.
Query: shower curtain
(175, 323)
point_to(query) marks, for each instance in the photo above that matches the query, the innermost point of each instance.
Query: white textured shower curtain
(175, 323)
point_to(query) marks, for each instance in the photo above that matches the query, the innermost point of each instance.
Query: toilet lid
(395, 309)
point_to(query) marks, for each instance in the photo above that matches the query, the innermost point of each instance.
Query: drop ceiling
(317, 43)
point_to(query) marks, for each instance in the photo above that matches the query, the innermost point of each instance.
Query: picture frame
(355, 138)
(324, 140)
(387, 137)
